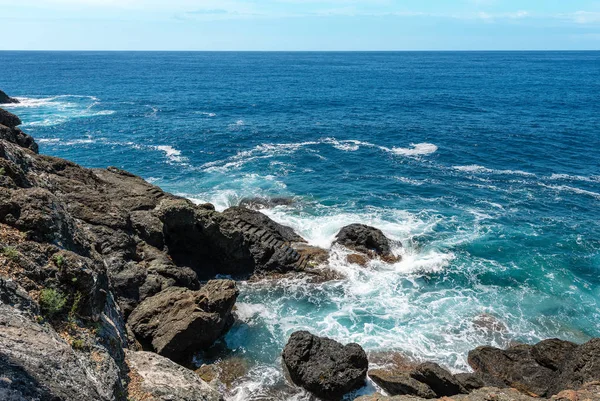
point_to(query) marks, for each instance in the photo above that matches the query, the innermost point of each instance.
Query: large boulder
(153, 377)
(16, 136)
(323, 366)
(9, 119)
(366, 240)
(4, 98)
(178, 322)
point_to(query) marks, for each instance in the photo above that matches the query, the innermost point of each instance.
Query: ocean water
(484, 167)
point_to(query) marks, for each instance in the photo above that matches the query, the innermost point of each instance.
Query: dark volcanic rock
(323, 366)
(515, 366)
(442, 382)
(4, 98)
(367, 240)
(177, 322)
(552, 353)
(580, 366)
(265, 203)
(9, 119)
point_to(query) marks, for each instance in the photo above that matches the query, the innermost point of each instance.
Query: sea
(482, 167)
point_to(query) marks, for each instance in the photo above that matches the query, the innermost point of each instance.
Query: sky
(292, 25)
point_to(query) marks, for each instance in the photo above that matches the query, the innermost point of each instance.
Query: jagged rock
(4, 98)
(515, 366)
(36, 363)
(581, 365)
(15, 135)
(155, 378)
(225, 371)
(400, 383)
(483, 394)
(12, 294)
(177, 322)
(366, 240)
(442, 382)
(426, 380)
(8, 119)
(323, 366)
(552, 353)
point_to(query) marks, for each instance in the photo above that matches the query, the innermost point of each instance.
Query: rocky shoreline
(108, 288)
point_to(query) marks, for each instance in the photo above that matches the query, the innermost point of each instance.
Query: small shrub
(76, 304)
(39, 319)
(10, 252)
(2, 171)
(52, 301)
(78, 344)
(59, 260)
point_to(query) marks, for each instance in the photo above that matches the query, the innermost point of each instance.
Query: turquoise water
(484, 166)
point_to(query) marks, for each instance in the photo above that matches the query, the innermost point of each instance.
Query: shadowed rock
(323, 366)
(366, 240)
(178, 322)
(4, 98)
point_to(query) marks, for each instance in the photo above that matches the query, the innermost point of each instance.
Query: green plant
(39, 319)
(2, 171)
(52, 301)
(10, 252)
(59, 260)
(75, 306)
(78, 344)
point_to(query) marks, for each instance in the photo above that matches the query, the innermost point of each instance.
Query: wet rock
(366, 240)
(323, 366)
(225, 371)
(153, 377)
(178, 322)
(4, 98)
(357, 259)
(483, 394)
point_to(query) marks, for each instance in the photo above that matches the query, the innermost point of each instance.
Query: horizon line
(300, 51)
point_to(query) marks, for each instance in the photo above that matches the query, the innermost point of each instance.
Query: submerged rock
(153, 377)
(178, 322)
(323, 366)
(366, 240)
(258, 203)
(4, 98)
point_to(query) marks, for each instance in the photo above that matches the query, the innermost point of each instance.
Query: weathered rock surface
(258, 203)
(426, 380)
(544, 369)
(323, 366)
(366, 240)
(588, 392)
(155, 378)
(36, 363)
(177, 322)
(4, 98)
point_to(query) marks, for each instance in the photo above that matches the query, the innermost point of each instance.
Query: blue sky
(299, 24)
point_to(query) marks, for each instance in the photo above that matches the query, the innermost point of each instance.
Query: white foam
(206, 114)
(567, 177)
(417, 149)
(172, 154)
(477, 169)
(575, 190)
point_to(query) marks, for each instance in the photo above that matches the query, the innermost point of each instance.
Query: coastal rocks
(484, 394)
(4, 98)
(177, 322)
(155, 378)
(426, 380)
(36, 363)
(8, 119)
(323, 366)
(544, 369)
(367, 240)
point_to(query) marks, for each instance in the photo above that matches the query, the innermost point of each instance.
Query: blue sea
(484, 166)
